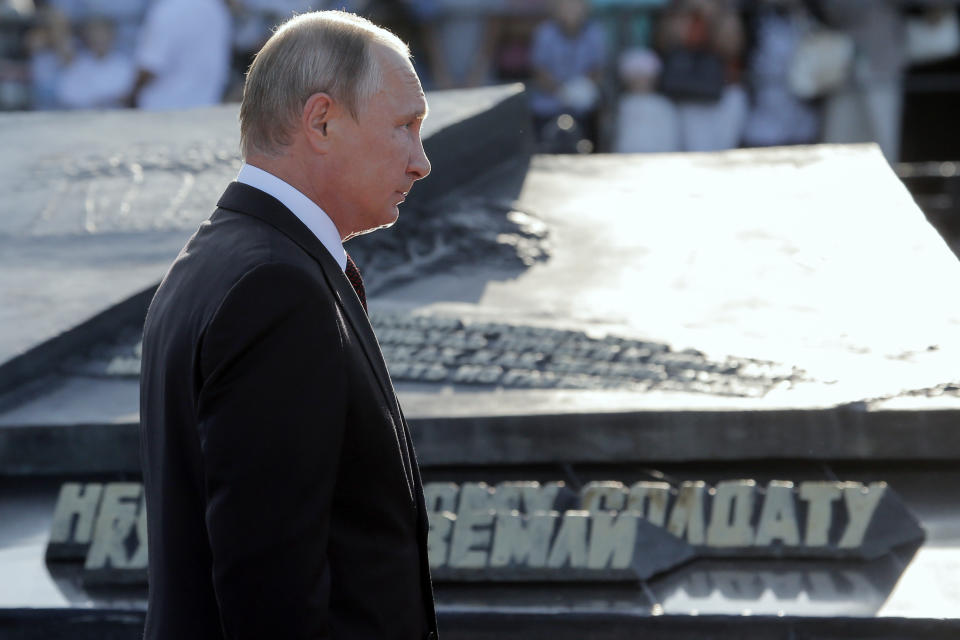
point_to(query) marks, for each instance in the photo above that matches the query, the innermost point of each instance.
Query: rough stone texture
(96, 172)
(460, 230)
(445, 350)
(98, 204)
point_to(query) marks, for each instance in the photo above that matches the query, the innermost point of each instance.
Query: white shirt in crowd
(646, 123)
(315, 218)
(95, 83)
(186, 45)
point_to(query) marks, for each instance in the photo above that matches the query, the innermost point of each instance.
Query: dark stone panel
(45, 357)
(113, 624)
(70, 449)
(591, 437)
(677, 435)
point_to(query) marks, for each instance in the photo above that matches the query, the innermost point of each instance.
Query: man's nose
(419, 166)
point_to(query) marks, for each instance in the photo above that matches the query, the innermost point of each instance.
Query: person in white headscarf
(646, 121)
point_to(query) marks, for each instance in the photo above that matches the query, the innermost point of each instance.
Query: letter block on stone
(569, 548)
(731, 514)
(877, 521)
(687, 516)
(441, 496)
(547, 546)
(438, 537)
(778, 518)
(819, 519)
(118, 552)
(650, 499)
(613, 537)
(603, 496)
(510, 496)
(515, 531)
(475, 496)
(537, 497)
(73, 520)
(471, 538)
(522, 541)
(819, 497)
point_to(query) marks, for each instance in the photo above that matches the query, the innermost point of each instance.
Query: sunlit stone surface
(812, 257)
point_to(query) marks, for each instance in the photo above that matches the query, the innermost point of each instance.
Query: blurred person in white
(702, 43)
(567, 57)
(126, 16)
(50, 46)
(777, 116)
(183, 56)
(100, 75)
(868, 108)
(646, 121)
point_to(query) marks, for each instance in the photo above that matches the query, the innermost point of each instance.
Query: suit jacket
(282, 490)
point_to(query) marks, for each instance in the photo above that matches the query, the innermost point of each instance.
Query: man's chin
(387, 221)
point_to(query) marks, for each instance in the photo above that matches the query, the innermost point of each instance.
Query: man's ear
(319, 109)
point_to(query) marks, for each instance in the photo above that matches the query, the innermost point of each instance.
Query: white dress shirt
(303, 207)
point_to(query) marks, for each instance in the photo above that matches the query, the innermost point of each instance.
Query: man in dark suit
(283, 495)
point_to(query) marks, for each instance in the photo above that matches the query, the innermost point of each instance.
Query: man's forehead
(403, 85)
(418, 100)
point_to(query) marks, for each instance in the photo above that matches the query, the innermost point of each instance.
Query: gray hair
(321, 51)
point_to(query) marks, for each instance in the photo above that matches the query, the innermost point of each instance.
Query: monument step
(582, 433)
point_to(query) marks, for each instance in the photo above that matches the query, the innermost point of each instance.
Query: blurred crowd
(608, 75)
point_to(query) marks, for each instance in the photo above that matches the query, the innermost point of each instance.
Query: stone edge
(838, 434)
(454, 623)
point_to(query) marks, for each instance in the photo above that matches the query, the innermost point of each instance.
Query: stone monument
(641, 387)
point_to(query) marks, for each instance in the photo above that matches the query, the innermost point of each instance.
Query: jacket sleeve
(271, 416)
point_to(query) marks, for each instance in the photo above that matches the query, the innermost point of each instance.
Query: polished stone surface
(812, 257)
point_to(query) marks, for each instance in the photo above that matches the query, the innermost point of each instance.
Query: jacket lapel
(248, 200)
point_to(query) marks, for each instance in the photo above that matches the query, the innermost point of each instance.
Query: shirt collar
(300, 205)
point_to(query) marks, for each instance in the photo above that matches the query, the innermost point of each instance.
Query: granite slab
(98, 203)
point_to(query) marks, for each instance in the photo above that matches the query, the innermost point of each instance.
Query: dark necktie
(353, 275)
